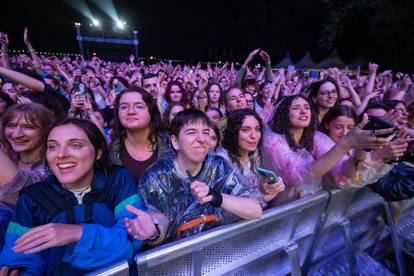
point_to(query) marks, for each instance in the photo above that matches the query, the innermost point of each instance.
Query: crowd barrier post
(395, 240)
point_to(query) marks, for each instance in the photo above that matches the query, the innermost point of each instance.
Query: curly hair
(154, 125)
(280, 123)
(234, 124)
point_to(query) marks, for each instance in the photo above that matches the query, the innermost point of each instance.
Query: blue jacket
(104, 240)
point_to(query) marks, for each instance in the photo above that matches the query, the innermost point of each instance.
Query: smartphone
(379, 123)
(270, 175)
(79, 91)
(117, 88)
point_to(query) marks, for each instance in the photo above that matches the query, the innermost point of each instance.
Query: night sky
(212, 30)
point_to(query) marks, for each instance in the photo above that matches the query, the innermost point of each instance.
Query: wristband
(156, 236)
(217, 200)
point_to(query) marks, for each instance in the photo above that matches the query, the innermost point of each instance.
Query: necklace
(81, 191)
(27, 162)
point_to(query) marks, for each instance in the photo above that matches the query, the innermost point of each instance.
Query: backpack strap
(103, 196)
(50, 200)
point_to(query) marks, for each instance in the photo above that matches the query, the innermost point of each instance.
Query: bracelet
(217, 200)
(156, 236)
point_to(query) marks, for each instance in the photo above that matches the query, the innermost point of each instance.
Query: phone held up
(80, 93)
(378, 123)
(117, 88)
(268, 174)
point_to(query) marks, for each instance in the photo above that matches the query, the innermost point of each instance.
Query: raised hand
(358, 138)
(265, 56)
(4, 40)
(203, 83)
(267, 111)
(393, 151)
(26, 38)
(406, 83)
(250, 56)
(372, 67)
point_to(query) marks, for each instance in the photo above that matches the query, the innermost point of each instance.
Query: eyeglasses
(136, 107)
(332, 92)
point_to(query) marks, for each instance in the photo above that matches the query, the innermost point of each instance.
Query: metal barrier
(291, 238)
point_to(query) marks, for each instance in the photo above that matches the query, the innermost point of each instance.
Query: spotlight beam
(80, 6)
(108, 7)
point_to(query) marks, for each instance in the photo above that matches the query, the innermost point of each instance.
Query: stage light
(77, 24)
(119, 24)
(96, 22)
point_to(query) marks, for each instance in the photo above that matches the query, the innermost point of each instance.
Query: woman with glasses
(323, 95)
(138, 141)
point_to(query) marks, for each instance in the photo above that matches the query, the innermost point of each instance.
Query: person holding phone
(302, 156)
(244, 153)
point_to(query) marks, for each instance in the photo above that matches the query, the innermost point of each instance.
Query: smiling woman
(72, 222)
(301, 155)
(23, 130)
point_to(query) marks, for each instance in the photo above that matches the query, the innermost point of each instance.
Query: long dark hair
(314, 89)
(155, 123)
(315, 86)
(220, 102)
(95, 136)
(260, 100)
(234, 124)
(280, 123)
(335, 112)
(166, 114)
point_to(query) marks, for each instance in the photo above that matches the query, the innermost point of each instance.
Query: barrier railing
(291, 238)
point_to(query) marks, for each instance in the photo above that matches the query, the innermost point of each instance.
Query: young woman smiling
(301, 155)
(88, 231)
(23, 130)
(323, 96)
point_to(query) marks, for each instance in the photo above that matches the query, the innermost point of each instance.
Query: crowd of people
(101, 160)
